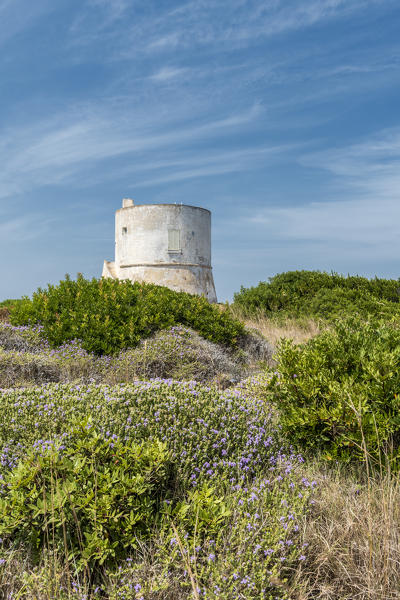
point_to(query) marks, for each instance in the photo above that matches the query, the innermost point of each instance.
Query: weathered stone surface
(166, 244)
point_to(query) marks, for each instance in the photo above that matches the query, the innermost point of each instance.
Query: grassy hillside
(186, 468)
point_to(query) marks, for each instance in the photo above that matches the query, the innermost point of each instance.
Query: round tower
(166, 244)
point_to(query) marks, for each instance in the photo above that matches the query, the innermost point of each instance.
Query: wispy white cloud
(169, 46)
(163, 29)
(361, 208)
(62, 148)
(214, 163)
(21, 229)
(167, 73)
(114, 9)
(377, 156)
(359, 220)
(98, 19)
(18, 15)
(199, 21)
(170, 40)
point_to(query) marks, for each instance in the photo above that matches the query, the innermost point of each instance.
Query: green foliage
(340, 391)
(94, 498)
(235, 505)
(256, 557)
(109, 315)
(201, 513)
(321, 295)
(253, 541)
(177, 353)
(9, 303)
(191, 419)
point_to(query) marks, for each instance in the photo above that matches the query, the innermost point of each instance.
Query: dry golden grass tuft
(291, 329)
(299, 330)
(353, 540)
(4, 314)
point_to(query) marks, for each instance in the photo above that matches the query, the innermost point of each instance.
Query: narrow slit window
(174, 240)
(124, 230)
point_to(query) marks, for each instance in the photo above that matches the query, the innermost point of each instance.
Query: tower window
(124, 230)
(174, 240)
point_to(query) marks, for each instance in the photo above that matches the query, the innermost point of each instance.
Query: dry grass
(352, 532)
(291, 329)
(353, 550)
(299, 330)
(4, 314)
(353, 540)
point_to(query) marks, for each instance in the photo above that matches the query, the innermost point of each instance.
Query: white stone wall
(142, 247)
(146, 237)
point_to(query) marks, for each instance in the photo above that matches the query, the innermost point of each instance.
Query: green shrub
(236, 506)
(94, 499)
(321, 295)
(340, 388)
(332, 304)
(109, 315)
(194, 421)
(9, 303)
(255, 540)
(178, 353)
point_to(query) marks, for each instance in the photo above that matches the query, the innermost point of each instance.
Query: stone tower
(166, 244)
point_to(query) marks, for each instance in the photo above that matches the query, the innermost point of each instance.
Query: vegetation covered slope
(314, 294)
(131, 487)
(108, 315)
(26, 358)
(284, 486)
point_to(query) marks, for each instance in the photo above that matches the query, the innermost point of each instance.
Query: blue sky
(280, 116)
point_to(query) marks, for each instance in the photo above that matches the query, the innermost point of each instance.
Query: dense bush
(193, 421)
(5, 308)
(233, 516)
(341, 388)
(317, 294)
(9, 303)
(22, 339)
(109, 315)
(92, 498)
(178, 353)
